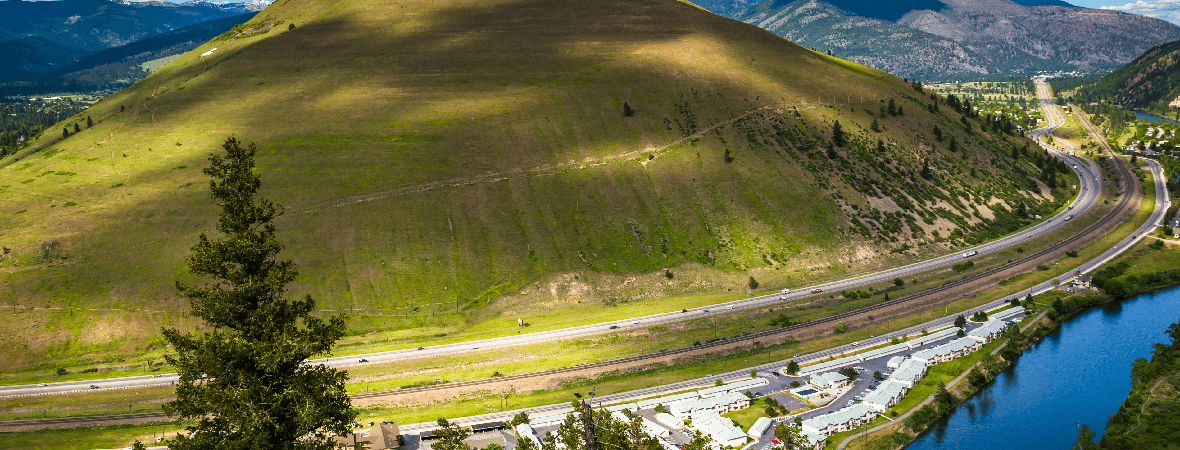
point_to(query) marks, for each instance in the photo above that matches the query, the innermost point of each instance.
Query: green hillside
(446, 164)
(1151, 81)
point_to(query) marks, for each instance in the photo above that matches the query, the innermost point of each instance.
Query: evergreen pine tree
(244, 380)
(89, 122)
(837, 134)
(65, 133)
(876, 127)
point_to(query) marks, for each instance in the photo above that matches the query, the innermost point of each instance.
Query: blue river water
(1139, 115)
(1079, 374)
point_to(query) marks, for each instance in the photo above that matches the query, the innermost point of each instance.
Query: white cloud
(1168, 10)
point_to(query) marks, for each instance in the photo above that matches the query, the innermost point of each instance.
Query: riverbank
(1144, 269)
(1148, 418)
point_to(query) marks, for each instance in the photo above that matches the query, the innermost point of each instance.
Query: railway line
(1128, 184)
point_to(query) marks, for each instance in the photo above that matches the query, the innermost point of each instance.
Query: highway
(1088, 194)
(1055, 121)
(744, 373)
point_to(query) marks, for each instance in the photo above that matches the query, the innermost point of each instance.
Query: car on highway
(684, 310)
(729, 307)
(635, 322)
(796, 355)
(614, 327)
(93, 387)
(856, 343)
(41, 385)
(420, 348)
(784, 291)
(363, 360)
(816, 290)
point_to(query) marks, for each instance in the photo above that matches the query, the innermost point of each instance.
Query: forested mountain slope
(1151, 81)
(945, 39)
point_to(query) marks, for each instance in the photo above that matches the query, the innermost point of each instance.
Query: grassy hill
(447, 164)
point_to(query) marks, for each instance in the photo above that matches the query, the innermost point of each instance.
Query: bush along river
(1078, 374)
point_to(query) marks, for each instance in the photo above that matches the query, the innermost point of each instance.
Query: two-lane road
(1088, 194)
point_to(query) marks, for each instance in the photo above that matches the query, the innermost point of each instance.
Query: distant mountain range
(39, 39)
(936, 40)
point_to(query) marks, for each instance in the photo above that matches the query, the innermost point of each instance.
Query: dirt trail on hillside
(493, 177)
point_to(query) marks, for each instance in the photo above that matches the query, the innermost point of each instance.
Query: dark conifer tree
(244, 380)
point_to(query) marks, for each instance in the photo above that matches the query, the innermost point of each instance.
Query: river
(1139, 115)
(1078, 374)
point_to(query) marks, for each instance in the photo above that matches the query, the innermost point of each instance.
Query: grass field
(156, 64)
(467, 165)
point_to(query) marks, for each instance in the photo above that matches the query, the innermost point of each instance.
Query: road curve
(1088, 195)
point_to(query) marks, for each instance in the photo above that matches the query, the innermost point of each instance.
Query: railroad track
(153, 416)
(1117, 211)
(1128, 181)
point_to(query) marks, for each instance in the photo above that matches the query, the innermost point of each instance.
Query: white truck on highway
(970, 254)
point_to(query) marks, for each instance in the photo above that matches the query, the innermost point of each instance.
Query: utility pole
(588, 426)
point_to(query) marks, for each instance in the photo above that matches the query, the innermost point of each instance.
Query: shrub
(795, 384)
(963, 267)
(850, 373)
(841, 328)
(976, 378)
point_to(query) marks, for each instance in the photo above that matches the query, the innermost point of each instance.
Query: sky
(1168, 10)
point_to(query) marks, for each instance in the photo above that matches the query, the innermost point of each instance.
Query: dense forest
(23, 118)
(1150, 82)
